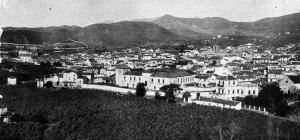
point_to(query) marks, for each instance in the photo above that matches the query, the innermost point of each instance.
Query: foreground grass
(91, 114)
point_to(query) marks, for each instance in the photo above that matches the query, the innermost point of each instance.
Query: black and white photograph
(149, 69)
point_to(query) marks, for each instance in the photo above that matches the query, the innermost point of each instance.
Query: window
(286, 81)
(163, 80)
(158, 80)
(237, 91)
(232, 91)
(253, 91)
(140, 79)
(233, 82)
(152, 80)
(198, 96)
(242, 91)
(154, 87)
(228, 91)
(249, 92)
(124, 78)
(130, 78)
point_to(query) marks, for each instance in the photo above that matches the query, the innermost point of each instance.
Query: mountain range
(213, 26)
(165, 28)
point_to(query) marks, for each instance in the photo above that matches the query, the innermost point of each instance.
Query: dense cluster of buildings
(210, 72)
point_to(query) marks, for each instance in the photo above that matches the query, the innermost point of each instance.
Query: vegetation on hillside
(272, 98)
(92, 114)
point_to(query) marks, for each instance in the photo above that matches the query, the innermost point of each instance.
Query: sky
(41, 13)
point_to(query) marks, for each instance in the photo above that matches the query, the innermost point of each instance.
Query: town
(212, 75)
(149, 70)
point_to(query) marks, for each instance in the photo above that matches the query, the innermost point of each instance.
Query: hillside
(166, 28)
(90, 114)
(116, 34)
(216, 25)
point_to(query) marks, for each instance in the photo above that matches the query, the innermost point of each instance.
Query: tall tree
(169, 90)
(140, 90)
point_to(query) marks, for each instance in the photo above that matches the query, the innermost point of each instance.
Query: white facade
(152, 82)
(66, 79)
(11, 81)
(229, 89)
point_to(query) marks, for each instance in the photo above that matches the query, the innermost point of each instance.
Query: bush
(140, 90)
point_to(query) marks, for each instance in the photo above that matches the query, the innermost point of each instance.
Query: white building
(153, 79)
(65, 79)
(289, 83)
(228, 88)
(25, 56)
(11, 80)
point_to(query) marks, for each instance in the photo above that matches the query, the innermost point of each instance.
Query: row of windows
(222, 83)
(158, 80)
(187, 79)
(237, 91)
(133, 78)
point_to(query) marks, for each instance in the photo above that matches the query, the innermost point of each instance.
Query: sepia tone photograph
(149, 69)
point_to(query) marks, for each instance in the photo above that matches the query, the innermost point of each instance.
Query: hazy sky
(33, 13)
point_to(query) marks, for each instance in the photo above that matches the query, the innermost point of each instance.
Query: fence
(256, 109)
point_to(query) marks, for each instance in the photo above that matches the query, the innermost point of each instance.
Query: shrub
(140, 90)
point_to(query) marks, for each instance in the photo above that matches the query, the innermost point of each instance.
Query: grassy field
(90, 114)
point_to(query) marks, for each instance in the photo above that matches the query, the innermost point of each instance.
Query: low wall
(114, 89)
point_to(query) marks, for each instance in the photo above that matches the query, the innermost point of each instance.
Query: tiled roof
(122, 66)
(275, 71)
(226, 78)
(203, 76)
(135, 73)
(171, 73)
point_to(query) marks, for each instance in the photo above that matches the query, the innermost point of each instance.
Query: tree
(272, 98)
(157, 95)
(48, 63)
(186, 96)
(169, 90)
(57, 64)
(140, 90)
(234, 129)
(49, 84)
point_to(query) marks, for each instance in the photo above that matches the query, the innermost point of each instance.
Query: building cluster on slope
(209, 72)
